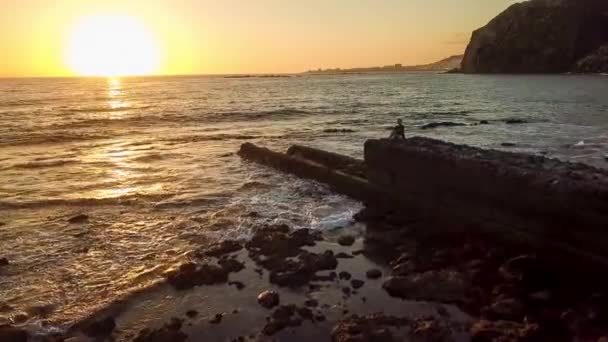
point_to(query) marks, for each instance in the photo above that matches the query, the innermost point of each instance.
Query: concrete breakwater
(557, 207)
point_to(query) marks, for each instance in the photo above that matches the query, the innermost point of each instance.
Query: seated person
(398, 131)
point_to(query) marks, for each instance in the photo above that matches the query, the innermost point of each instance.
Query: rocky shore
(390, 283)
(393, 274)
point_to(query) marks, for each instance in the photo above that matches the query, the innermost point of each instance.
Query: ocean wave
(47, 138)
(216, 137)
(20, 103)
(152, 157)
(125, 200)
(284, 114)
(104, 109)
(42, 164)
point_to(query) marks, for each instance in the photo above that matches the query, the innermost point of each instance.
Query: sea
(152, 163)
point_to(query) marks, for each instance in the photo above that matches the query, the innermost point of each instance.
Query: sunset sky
(51, 38)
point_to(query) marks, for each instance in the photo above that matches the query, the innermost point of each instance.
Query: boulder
(190, 275)
(440, 286)
(373, 273)
(231, 265)
(538, 36)
(346, 240)
(268, 299)
(357, 284)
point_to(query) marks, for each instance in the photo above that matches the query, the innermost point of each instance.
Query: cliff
(538, 36)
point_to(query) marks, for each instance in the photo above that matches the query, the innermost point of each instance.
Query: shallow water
(152, 162)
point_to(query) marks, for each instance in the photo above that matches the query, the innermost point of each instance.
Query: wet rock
(488, 331)
(346, 240)
(344, 275)
(19, 317)
(508, 144)
(440, 286)
(356, 283)
(429, 329)
(442, 124)
(238, 284)
(376, 327)
(4, 262)
(81, 218)
(404, 268)
(100, 328)
(191, 313)
(268, 299)
(519, 268)
(305, 313)
(508, 309)
(12, 334)
(222, 248)
(169, 333)
(281, 318)
(373, 273)
(278, 242)
(231, 265)
(311, 303)
(217, 319)
(295, 273)
(190, 275)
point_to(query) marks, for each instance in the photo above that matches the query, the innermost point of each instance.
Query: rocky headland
(542, 36)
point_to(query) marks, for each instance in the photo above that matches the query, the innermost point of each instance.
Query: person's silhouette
(398, 131)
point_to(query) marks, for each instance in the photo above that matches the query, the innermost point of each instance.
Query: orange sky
(246, 36)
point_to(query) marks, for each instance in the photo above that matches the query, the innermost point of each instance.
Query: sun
(112, 45)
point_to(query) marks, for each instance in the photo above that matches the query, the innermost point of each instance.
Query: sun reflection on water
(115, 94)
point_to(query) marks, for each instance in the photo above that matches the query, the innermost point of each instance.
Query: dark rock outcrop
(100, 328)
(442, 124)
(11, 334)
(190, 275)
(538, 36)
(522, 199)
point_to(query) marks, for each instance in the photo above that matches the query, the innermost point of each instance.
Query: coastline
(389, 275)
